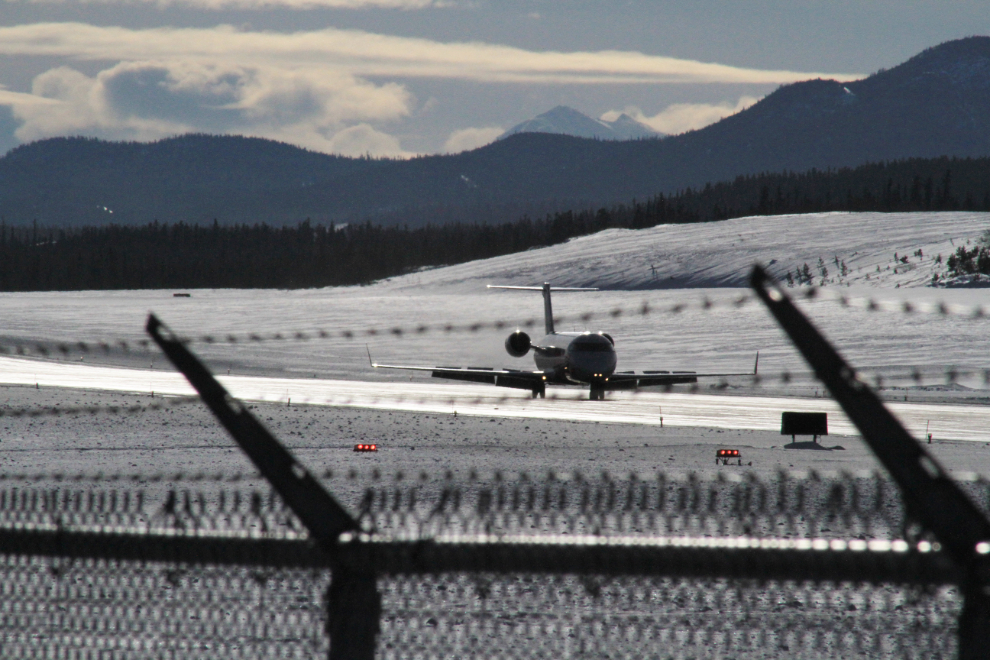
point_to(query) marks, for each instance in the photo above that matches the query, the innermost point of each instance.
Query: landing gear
(541, 391)
(596, 394)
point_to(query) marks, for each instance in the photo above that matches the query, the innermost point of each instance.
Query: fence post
(353, 601)
(930, 495)
(974, 622)
(353, 614)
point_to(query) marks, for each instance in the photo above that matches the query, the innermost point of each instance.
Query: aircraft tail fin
(547, 306)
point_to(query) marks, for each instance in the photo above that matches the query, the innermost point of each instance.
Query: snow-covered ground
(721, 254)
(722, 337)
(718, 337)
(758, 413)
(414, 423)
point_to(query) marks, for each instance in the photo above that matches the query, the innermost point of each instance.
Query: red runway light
(365, 447)
(723, 455)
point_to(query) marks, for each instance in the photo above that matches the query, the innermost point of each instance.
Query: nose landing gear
(596, 393)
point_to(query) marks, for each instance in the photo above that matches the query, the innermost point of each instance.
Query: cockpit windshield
(592, 346)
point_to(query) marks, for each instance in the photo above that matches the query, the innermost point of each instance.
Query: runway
(955, 422)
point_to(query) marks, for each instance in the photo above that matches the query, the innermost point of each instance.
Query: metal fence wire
(558, 566)
(107, 608)
(111, 570)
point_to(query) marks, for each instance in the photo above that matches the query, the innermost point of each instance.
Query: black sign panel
(803, 423)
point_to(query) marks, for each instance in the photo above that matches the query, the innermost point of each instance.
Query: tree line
(974, 261)
(181, 255)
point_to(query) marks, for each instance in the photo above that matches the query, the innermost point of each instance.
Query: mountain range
(937, 103)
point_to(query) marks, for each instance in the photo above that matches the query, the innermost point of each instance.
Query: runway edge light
(723, 455)
(365, 447)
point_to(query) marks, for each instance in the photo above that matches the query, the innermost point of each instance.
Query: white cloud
(471, 138)
(366, 54)
(682, 117)
(10, 98)
(150, 100)
(363, 140)
(75, 107)
(261, 4)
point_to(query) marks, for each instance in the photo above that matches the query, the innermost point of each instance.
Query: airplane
(564, 358)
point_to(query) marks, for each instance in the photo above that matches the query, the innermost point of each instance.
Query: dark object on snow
(803, 423)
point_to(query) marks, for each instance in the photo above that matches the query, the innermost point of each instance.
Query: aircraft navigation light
(364, 447)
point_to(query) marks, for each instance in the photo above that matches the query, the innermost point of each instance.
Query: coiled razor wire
(795, 505)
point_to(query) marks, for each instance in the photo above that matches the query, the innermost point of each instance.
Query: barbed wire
(111, 409)
(877, 379)
(47, 348)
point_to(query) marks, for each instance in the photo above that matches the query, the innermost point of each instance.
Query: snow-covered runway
(959, 422)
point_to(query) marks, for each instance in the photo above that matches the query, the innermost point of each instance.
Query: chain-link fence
(493, 566)
(496, 567)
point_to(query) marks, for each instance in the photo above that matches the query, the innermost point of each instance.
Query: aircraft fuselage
(576, 357)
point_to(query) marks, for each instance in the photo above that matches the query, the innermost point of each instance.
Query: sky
(400, 78)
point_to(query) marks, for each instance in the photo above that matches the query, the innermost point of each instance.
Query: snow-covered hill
(853, 248)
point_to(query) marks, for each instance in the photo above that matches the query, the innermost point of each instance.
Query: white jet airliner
(565, 358)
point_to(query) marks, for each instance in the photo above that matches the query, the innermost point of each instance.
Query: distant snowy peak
(568, 121)
(627, 128)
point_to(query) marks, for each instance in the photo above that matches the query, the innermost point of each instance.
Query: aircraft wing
(630, 380)
(521, 380)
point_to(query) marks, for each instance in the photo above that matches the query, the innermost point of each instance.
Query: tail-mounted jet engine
(517, 344)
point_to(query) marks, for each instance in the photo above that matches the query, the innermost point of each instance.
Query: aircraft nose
(593, 366)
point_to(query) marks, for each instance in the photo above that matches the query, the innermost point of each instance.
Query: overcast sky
(405, 77)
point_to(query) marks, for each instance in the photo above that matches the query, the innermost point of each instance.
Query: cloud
(366, 54)
(263, 4)
(311, 88)
(9, 98)
(471, 138)
(682, 117)
(66, 102)
(150, 100)
(8, 124)
(363, 140)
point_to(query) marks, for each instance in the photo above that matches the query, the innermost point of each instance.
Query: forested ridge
(162, 255)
